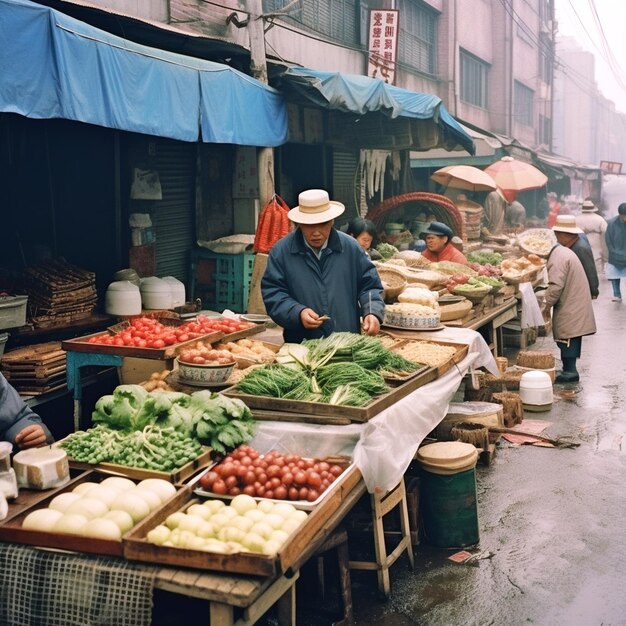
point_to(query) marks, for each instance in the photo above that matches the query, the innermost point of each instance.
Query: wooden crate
(11, 529)
(321, 410)
(137, 548)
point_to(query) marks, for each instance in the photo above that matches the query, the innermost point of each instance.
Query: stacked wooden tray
(134, 545)
(137, 548)
(35, 369)
(321, 413)
(82, 344)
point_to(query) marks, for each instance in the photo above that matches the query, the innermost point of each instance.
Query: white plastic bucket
(535, 390)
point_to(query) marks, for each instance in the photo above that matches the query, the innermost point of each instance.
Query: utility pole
(258, 63)
(265, 156)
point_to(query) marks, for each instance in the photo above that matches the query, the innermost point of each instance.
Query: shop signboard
(383, 44)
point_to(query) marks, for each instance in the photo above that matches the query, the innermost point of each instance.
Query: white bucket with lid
(535, 390)
(155, 293)
(122, 298)
(177, 290)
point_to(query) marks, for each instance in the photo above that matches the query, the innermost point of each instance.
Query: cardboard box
(135, 370)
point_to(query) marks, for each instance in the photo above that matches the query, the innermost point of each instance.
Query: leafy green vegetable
(485, 257)
(386, 250)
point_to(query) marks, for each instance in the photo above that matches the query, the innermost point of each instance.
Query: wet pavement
(552, 521)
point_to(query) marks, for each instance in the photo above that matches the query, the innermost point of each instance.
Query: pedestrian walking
(569, 297)
(594, 226)
(615, 238)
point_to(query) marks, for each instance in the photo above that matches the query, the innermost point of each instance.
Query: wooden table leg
(286, 606)
(221, 614)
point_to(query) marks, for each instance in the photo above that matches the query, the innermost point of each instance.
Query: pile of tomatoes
(273, 475)
(147, 332)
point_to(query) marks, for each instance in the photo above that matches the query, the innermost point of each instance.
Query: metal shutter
(345, 183)
(174, 217)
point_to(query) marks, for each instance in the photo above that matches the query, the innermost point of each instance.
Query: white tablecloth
(384, 447)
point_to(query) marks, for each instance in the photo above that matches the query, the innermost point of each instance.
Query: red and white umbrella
(513, 176)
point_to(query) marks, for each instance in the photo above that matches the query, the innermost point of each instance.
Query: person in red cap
(439, 246)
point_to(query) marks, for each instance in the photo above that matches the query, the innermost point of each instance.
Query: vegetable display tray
(461, 350)
(175, 477)
(82, 344)
(302, 505)
(137, 548)
(11, 529)
(320, 409)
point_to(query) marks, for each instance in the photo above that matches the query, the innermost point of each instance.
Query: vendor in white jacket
(18, 423)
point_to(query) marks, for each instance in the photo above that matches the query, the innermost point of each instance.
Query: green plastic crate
(233, 273)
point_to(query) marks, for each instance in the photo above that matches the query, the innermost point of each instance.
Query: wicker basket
(407, 206)
(537, 241)
(535, 359)
(393, 282)
(476, 296)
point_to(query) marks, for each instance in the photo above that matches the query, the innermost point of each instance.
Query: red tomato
(219, 486)
(280, 493)
(158, 343)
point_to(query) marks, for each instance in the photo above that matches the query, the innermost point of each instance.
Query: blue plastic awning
(361, 95)
(53, 66)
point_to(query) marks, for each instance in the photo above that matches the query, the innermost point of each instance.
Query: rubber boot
(569, 373)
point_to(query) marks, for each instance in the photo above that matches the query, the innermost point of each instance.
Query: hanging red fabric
(273, 224)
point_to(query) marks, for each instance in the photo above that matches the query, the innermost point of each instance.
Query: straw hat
(315, 207)
(588, 207)
(567, 224)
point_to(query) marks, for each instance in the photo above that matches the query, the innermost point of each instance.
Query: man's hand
(32, 436)
(371, 325)
(310, 319)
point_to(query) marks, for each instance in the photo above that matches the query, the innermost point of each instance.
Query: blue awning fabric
(54, 66)
(362, 95)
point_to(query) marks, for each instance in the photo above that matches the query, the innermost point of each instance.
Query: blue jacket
(343, 284)
(15, 414)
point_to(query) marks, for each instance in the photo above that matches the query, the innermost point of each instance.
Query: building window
(545, 58)
(337, 19)
(473, 77)
(524, 98)
(418, 36)
(545, 130)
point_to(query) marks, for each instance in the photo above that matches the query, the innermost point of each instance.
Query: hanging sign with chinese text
(383, 44)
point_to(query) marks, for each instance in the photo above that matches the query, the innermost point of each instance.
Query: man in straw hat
(319, 280)
(594, 226)
(569, 295)
(568, 234)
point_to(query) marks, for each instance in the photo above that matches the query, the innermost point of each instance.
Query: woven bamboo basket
(512, 407)
(470, 432)
(393, 282)
(407, 206)
(535, 359)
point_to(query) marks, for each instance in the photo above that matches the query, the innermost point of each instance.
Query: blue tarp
(54, 66)
(352, 93)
